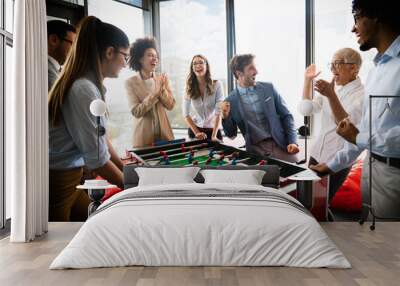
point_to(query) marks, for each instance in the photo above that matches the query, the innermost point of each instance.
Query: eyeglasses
(66, 40)
(338, 65)
(126, 56)
(201, 63)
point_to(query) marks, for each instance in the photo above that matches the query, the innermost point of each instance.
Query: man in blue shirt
(261, 114)
(377, 25)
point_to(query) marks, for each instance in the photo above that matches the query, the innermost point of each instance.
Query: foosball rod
(243, 160)
(205, 151)
(176, 155)
(144, 156)
(238, 161)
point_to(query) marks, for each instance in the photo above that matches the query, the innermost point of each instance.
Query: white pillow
(166, 176)
(247, 177)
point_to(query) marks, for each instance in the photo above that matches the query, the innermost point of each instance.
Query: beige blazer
(150, 121)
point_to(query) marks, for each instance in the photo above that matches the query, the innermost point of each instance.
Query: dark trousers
(207, 131)
(66, 203)
(336, 180)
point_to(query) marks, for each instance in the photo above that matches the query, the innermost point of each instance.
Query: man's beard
(365, 46)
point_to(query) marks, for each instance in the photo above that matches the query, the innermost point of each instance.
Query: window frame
(147, 20)
(144, 6)
(229, 41)
(309, 18)
(6, 39)
(152, 27)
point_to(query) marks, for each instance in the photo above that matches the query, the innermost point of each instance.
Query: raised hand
(311, 72)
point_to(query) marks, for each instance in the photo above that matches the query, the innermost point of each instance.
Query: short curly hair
(138, 49)
(239, 62)
(386, 12)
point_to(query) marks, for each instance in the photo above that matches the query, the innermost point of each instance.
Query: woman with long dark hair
(205, 96)
(99, 51)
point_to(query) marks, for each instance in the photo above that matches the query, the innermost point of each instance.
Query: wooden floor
(374, 255)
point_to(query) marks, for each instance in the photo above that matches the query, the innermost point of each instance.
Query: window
(6, 29)
(8, 81)
(333, 24)
(187, 28)
(137, 3)
(2, 132)
(130, 20)
(9, 10)
(275, 33)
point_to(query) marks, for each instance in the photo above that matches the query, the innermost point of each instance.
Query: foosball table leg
(305, 193)
(314, 197)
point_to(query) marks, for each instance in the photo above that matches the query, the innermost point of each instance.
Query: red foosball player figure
(183, 148)
(261, 163)
(208, 160)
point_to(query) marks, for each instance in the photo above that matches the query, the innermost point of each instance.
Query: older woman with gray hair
(340, 98)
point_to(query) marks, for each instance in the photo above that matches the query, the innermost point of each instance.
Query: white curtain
(27, 125)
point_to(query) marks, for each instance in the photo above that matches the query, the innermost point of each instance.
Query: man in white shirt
(377, 25)
(60, 37)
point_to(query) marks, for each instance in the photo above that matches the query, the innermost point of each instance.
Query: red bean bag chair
(109, 192)
(348, 197)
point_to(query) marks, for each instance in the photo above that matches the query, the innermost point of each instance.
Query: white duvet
(188, 231)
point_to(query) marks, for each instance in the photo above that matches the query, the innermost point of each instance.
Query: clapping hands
(161, 84)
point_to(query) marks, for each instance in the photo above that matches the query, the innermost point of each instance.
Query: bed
(201, 224)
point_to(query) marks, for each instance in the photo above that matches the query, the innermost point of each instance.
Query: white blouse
(204, 108)
(327, 142)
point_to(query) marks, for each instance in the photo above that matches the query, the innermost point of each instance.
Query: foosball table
(298, 181)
